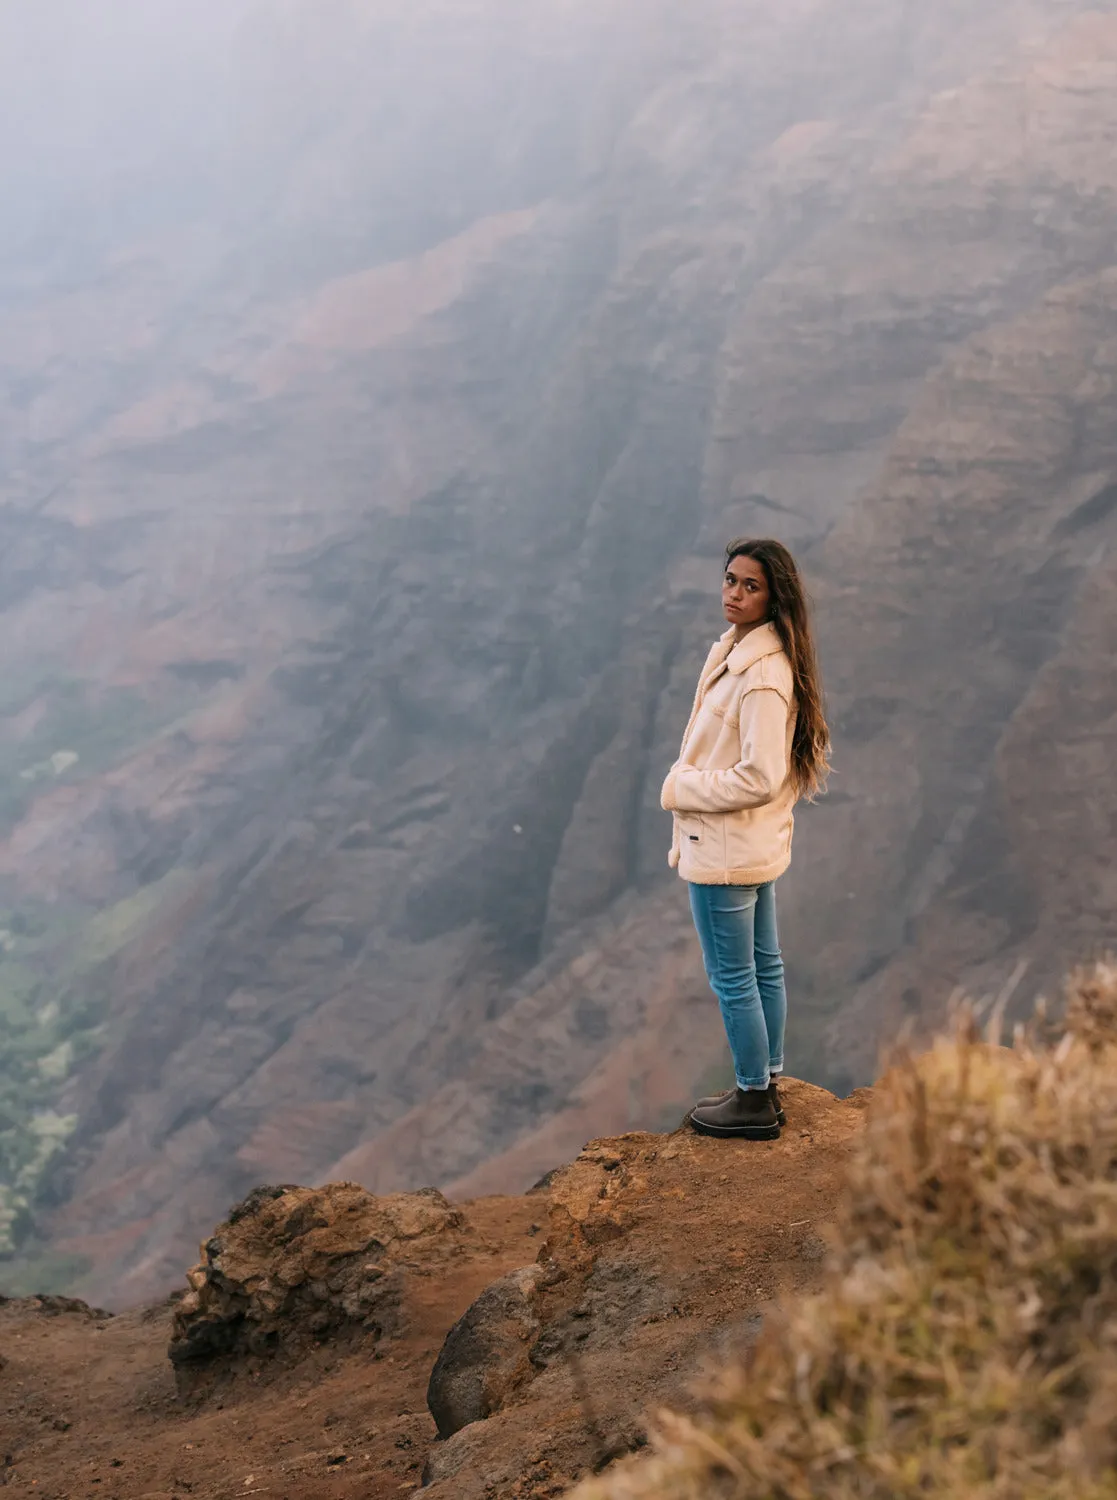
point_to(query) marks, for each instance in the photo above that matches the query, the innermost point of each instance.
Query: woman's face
(745, 593)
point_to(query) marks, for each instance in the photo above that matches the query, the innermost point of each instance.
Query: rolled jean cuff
(755, 1083)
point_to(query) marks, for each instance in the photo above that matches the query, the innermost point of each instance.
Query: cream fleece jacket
(729, 789)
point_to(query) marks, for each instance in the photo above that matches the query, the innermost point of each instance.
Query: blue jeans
(736, 926)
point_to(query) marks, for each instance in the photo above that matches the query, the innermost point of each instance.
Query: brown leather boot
(773, 1094)
(745, 1112)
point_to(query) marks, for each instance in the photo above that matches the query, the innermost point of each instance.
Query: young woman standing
(756, 742)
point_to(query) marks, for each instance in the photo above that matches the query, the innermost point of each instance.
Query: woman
(757, 741)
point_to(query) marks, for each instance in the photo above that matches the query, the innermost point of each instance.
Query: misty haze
(381, 384)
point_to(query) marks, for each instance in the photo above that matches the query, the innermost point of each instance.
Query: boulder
(486, 1355)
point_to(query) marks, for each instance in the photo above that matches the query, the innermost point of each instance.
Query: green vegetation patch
(56, 962)
(45, 1032)
(55, 976)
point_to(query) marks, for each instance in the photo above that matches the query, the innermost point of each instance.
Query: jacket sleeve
(754, 780)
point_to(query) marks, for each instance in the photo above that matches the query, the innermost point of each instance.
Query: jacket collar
(763, 641)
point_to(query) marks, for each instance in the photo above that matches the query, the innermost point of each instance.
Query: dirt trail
(662, 1247)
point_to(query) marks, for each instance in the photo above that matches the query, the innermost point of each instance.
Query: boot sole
(742, 1132)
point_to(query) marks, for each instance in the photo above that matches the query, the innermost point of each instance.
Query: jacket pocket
(702, 846)
(692, 831)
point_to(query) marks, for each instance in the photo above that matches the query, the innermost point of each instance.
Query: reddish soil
(666, 1247)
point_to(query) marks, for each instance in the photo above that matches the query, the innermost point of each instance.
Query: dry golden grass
(965, 1344)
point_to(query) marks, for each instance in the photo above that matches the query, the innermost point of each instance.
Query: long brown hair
(790, 614)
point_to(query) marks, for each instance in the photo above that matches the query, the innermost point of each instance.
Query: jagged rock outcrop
(294, 1265)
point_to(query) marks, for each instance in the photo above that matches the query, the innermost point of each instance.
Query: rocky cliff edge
(334, 1343)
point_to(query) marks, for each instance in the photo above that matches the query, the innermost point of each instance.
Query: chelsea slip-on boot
(747, 1113)
(773, 1094)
